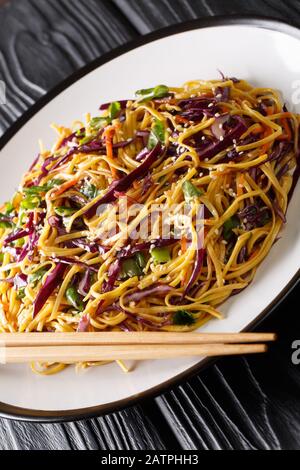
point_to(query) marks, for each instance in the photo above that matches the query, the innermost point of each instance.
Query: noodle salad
(73, 255)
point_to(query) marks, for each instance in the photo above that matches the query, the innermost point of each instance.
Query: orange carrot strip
(183, 245)
(287, 130)
(64, 187)
(181, 120)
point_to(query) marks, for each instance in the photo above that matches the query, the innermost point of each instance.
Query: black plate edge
(42, 416)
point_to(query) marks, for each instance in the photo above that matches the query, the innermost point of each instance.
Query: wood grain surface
(238, 403)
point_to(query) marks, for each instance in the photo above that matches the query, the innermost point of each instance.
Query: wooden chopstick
(122, 338)
(74, 353)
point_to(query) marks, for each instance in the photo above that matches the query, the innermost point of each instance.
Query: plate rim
(265, 22)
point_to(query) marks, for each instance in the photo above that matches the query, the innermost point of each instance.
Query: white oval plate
(264, 52)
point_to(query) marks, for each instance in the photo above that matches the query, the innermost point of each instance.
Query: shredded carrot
(287, 130)
(255, 252)
(64, 187)
(109, 134)
(270, 110)
(266, 147)
(181, 120)
(258, 129)
(183, 245)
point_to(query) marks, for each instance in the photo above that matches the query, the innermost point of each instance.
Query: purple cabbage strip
(83, 324)
(19, 281)
(159, 289)
(52, 282)
(70, 138)
(279, 212)
(88, 246)
(125, 183)
(105, 106)
(196, 270)
(142, 155)
(279, 151)
(222, 94)
(113, 274)
(54, 221)
(34, 163)
(72, 261)
(147, 184)
(129, 250)
(234, 133)
(21, 233)
(242, 255)
(85, 283)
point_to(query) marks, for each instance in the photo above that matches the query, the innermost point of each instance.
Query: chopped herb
(182, 317)
(160, 255)
(229, 225)
(157, 134)
(148, 94)
(21, 293)
(140, 259)
(34, 190)
(9, 208)
(37, 276)
(74, 298)
(98, 122)
(1, 257)
(30, 202)
(86, 140)
(114, 110)
(4, 223)
(65, 211)
(130, 268)
(89, 190)
(190, 191)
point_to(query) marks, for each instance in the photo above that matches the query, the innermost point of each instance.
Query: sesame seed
(206, 159)
(241, 153)
(221, 138)
(217, 115)
(219, 95)
(224, 242)
(221, 126)
(210, 105)
(203, 137)
(217, 231)
(201, 174)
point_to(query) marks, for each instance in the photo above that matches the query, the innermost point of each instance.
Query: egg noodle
(72, 254)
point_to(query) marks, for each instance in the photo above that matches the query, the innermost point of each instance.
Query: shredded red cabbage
(53, 280)
(85, 283)
(125, 183)
(158, 289)
(105, 106)
(113, 274)
(83, 325)
(196, 270)
(234, 133)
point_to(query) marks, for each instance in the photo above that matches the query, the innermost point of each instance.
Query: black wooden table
(235, 404)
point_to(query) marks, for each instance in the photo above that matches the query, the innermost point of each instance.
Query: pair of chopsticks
(69, 348)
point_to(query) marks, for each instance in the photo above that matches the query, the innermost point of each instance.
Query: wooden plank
(147, 15)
